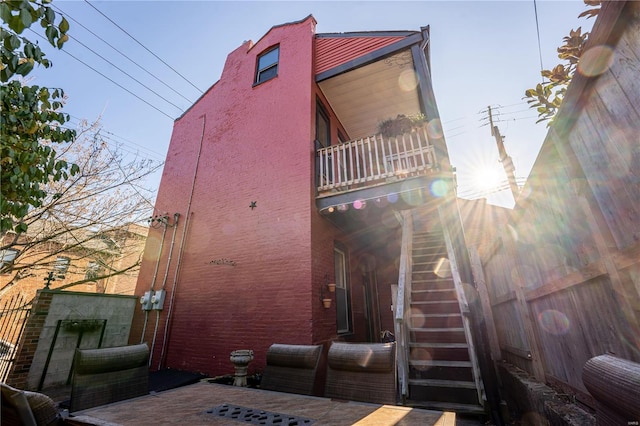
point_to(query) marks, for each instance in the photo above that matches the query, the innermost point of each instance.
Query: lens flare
(343, 208)
(554, 322)
(439, 188)
(359, 204)
(392, 198)
(407, 80)
(434, 128)
(442, 268)
(595, 61)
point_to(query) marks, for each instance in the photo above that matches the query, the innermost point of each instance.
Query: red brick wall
(256, 146)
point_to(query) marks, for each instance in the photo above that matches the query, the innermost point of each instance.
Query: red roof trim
(334, 51)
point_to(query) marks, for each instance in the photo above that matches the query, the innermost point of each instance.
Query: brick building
(302, 166)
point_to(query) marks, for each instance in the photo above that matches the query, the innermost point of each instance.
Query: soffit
(365, 96)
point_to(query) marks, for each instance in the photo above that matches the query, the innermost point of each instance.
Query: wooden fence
(563, 277)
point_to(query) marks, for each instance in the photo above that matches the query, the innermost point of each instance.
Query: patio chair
(362, 372)
(27, 408)
(291, 368)
(106, 375)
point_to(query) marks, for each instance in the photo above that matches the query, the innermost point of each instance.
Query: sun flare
(487, 178)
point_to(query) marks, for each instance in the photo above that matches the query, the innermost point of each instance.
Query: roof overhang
(376, 86)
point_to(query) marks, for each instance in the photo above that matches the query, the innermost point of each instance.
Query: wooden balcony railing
(357, 163)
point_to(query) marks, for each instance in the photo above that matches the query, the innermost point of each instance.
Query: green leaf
(16, 24)
(25, 67)
(25, 16)
(49, 16)
(52, 34)
(64, 25)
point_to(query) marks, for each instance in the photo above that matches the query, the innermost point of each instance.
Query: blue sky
(482, 53)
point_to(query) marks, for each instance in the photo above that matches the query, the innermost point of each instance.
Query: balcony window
(267, 67)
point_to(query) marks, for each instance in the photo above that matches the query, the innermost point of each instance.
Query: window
(94, 270)
(7, 257)
(61, 266)
(267, 67)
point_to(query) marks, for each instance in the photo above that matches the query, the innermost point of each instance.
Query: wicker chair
(362, 372)
(27, 408)
(291, 368)
(102, 376)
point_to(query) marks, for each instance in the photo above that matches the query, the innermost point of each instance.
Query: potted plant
(401, 124)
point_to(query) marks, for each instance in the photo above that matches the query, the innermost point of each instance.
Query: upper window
(267, 67)
(94, 270)
(61, 266)
(7, 257)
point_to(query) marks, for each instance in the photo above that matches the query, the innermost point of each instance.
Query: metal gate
(14, 312)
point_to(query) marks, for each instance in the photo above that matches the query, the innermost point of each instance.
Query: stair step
(420, 320)
(435, 329)
(439, 363)
(446, 406)
(434, 302)
(443, 383)
(435, 315)
(464, 374)
(439, 345)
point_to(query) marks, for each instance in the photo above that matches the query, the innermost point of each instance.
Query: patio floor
(190, 405)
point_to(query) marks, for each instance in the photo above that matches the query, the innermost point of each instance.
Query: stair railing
(464, 308)
(403, 303)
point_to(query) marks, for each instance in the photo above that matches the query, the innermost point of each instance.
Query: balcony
(373, 167)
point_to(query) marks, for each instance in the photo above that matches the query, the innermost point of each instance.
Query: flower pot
(332, 287)
(326, 303)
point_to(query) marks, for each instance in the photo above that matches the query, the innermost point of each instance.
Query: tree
(84, 218)
(31, 123)
(548, 95)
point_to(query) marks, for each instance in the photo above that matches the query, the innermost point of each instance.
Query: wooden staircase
(441, 373)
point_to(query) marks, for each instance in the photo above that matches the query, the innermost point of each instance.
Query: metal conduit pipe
(187, 221)
(153, 280)
(164, 281)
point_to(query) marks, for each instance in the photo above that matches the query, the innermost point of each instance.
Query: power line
(117, 84)
(126, 73)
(149, 154)
(123, 54)
(143, 46)
(535, 9)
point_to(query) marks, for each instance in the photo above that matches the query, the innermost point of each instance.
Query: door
(371, 311)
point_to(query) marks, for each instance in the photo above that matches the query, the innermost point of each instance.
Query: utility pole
(506, 161)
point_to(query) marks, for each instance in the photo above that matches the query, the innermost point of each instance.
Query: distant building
(80, 256)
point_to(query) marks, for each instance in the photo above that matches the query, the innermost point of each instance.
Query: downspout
(181, 252)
